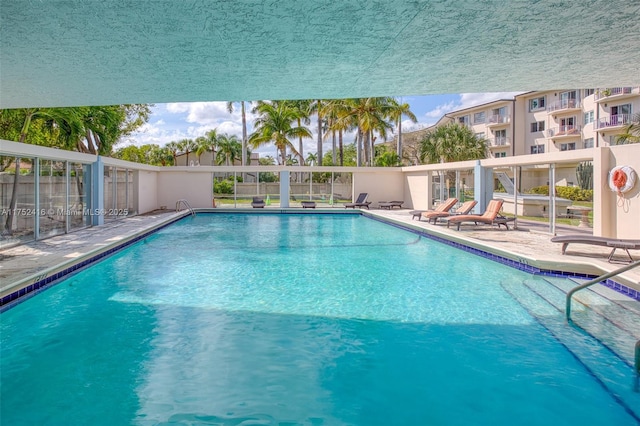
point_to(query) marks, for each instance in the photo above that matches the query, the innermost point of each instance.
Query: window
(537, 149)
(478, 117)
(588, 92)
(537, 126)
(502, 111)
(568, 146)
(480, 135)
(588, 117)
(588, 143)
(568, 126)
(500, 154)
(620, 114)
(464, 120)
(536, 103)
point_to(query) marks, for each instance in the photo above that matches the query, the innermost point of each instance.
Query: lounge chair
(465, 208)
(308, 204)
(390, 204)
(441, 208)
(361, 201)
(614, 243)
(491, 216)
(257, 203)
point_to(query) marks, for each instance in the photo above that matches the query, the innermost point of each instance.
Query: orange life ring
(622, 179)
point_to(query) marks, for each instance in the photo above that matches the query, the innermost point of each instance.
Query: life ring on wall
(622, 179)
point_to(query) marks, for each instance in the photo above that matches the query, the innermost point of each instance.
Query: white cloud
(468, 100)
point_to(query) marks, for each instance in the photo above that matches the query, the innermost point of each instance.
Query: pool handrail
(595, 281)
(636, 383)
(186, 204)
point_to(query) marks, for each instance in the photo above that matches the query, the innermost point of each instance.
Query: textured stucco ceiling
(95, 52)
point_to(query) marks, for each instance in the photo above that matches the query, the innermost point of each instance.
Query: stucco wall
(147, 187)
(615, 216)
(417, 189)
(195, 187)
(381, 185)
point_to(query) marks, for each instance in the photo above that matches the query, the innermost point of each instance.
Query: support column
(552, 199)
(483, 186)
(284, 188)
(97, 192)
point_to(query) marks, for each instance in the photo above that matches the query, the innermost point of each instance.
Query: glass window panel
(20, 226)
(79, 204)
(53, 198)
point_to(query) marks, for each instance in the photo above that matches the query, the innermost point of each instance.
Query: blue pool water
(290, 320)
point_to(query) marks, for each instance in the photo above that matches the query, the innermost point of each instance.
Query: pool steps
(615, 326)
(616, 376)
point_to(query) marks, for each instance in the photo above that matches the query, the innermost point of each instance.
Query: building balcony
(498, 120)
(565, 132)
(500, 141)
(568, 105)
(615, 93)
(613, 122)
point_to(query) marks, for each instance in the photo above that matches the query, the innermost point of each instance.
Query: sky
(176, 121)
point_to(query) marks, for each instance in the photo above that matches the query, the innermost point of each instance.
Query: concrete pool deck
(22, 265)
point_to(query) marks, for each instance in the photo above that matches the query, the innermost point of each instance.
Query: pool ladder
(636, 364)
(186, 204)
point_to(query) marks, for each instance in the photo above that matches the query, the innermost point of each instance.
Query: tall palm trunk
(244, 135)
(367, 147)
(359, 148)
(319, 161)
(300, 145)
(341, 147)
(333, 147)
(399, 147)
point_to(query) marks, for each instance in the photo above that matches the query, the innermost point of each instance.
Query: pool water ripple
(292, 319)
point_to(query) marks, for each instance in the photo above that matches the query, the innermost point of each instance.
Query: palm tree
(229, 149)
(187, 146)
(336, 109)
(173, 148)
(368, 115)
(317, 108)
(273, 125)
(631, 132)
(303, 108)
(398, 110)
(212, 137)
(65, 118)
(244, 128)
(312, 159)
(203, 144)
(452, 142)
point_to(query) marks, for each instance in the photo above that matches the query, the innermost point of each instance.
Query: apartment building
(547, 121)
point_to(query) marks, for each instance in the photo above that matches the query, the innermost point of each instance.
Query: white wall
(178, 183)
(382, 185)
(147, 191)
(615, 216)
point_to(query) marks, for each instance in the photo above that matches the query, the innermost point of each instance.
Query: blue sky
(176, 121)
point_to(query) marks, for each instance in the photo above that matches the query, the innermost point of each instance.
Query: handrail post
(636, 384)
(595, 281)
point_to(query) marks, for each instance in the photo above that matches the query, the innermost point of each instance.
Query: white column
(284, 188)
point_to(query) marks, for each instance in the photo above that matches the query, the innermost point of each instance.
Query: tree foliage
(631, 133)
(451, 142)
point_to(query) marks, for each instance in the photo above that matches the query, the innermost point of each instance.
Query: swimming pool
(296, 319)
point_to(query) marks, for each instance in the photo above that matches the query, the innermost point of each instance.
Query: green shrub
(573, 193)
(223, 186)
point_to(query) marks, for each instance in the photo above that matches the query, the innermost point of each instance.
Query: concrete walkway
(529, 243)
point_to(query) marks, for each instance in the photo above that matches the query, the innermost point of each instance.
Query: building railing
(613, 121)
(566, 130)
(615, 91)
(499, 141)
(499, 119)
(563, 104)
